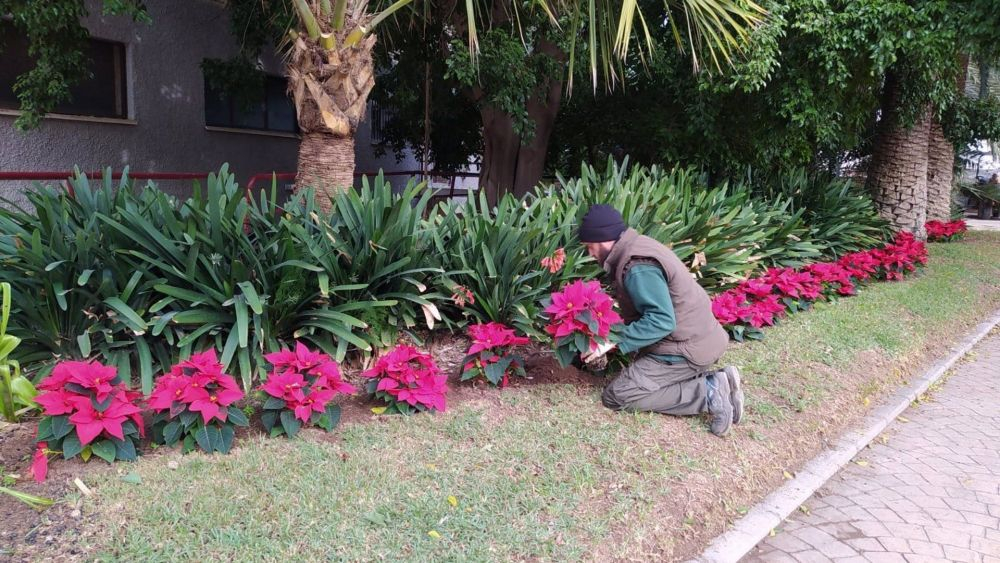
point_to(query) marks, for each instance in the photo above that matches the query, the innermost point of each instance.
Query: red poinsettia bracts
(198, 385)
(940, 231)
(581, 316)
(758, 302)
(408, 380)
(194, 404)
(40, 462)
(302, 383)
(87, 409)
(491, 354)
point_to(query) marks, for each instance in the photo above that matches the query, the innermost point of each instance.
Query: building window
(102, 95)
(270, 110)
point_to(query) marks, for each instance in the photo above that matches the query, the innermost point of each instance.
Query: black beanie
(602, 223)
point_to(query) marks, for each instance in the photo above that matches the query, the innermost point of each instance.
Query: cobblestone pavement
(927, 490)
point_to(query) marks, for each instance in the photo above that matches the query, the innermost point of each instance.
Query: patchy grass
(545, 472)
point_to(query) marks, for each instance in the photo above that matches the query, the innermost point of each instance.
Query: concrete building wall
(166, 127)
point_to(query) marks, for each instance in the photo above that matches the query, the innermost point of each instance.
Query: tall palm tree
(897, 175)
(940, 172)
(330, 56)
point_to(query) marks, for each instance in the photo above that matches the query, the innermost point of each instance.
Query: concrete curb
(769, 513)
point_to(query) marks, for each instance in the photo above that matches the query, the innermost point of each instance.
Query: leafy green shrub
(840, 215)
(74, 296)
(722, 233)
(142, 280)
(496, 255)
(380, 245)
(210, 278)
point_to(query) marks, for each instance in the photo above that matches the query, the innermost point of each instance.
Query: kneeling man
(669, 327)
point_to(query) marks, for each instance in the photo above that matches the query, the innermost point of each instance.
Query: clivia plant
(87, 411)
(409, 381)
(193, 405)
(491, 355)
(581, 317)
(299, 391)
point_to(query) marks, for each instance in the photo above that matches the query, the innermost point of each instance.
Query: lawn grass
(545, 472)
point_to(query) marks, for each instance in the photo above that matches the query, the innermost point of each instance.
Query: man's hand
(598, 352)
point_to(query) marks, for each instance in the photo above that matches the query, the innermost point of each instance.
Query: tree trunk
(326, 163)
(329, 78)
(940, 172)
(501, 145)
(897, 175)
(984, 80)
(511, 163)
(941, 158)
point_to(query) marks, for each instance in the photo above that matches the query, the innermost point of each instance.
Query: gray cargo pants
(652, 385)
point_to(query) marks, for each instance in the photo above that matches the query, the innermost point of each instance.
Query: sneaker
(735, 392)
(719, 405)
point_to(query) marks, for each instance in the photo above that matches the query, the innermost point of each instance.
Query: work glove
(598, 352)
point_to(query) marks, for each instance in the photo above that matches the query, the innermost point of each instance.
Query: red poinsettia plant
(581, 316)
(300, 389)
(87, 411)
(194, 405)
(491, 355)
(409, 381)
(942, 231)
(759, 302)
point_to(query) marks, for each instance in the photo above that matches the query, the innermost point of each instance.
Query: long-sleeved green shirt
(647, 287)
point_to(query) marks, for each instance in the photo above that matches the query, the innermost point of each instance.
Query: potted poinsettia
(299, 391)
(87, 411)
(581, 317)
(193, 405)
(409, 381)
(491, 355)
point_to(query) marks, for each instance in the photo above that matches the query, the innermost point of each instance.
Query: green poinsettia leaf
(237, 417)
(290, 423)
(105, 449)
(71, 446)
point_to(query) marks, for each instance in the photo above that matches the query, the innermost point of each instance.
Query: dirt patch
(40, 535)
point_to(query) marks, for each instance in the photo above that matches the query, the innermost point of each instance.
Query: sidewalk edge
(757, 524)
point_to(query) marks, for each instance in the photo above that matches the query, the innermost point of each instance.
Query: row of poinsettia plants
(760, 301)
(88, 411)
(946, 231)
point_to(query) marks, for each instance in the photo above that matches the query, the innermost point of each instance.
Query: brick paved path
(931, 492)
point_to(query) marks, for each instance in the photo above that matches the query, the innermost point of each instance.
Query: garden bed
(536, 471)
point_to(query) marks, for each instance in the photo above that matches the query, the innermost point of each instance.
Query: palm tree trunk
(940, 172)
(326, 163)
(897, 175)
(941, 158)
